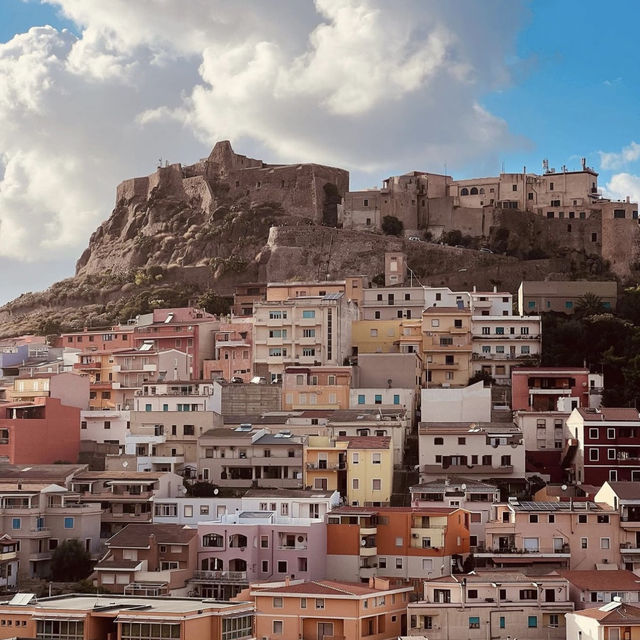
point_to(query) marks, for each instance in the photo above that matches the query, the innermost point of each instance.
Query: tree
(70, 561)
(201, 490)
(589, 305)
(391, 226)
(483, 376)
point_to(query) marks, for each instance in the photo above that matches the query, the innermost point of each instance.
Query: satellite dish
(463, 487)
(125, 464)
(363, 543)
(216, 492)
(564, 487)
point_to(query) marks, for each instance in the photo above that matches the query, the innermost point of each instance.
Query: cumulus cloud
(622, 185)
(365, 84)
(616, 160)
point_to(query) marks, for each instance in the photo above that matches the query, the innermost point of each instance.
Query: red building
(539, 388)
(40, 432)
(604, 445)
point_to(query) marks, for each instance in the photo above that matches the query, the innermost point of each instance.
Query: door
(549, 595)
(558, 544)
(325, 629)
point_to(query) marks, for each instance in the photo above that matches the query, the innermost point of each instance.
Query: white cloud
(364, 84)
(613, 160)
(622, 185)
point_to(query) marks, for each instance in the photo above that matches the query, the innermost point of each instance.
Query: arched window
(464, 191)
(481, 190)
(237, 564)
(237, 540)
(211, 564)
(212, 540)
(474, 191)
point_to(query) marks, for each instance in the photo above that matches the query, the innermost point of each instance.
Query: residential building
(229, 399)
(8, 563)
(190, 511)
(42, 431)
(148, 560)
(604, 445)
(126, 497)
(540, 388)
(232, 354)
(563, 296)
(359, 467)
(491, 303)
(40, 516)
(375, 336)
(545, 441)
(71, 389)
(107, 426)
(312, 330)
(327, 609)
(312, 387)
(383, 397)
(248, 546)
(400, 370)
(624, 497)
(186, 329)
(490, 452)
(110, 339)
(610, 621)
(248, 457)
(492, 605)
(373, 422)
(446, 346)
(98, 617)
(472, 404)
(475, 497)
(582, 535)
(244, 297)
(589, 588)
(401, 543)
(352, 287)
(502, 343)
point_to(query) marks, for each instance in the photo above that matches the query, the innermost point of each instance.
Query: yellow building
(358, 467)
(376, 336)
(98, 365)
(446, 346)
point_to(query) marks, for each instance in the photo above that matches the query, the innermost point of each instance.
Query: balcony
(462, 469)
(220, 576)
(293, 547)
(109, 516)
(40, 532)
(331, 466)
(367, 572)
(87, 366)
(368, 531)
(40, 556)
(541, 554)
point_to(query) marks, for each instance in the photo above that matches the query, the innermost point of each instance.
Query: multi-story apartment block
(72, 390)
(400, 370)
(352, 288)
(327, 609)
(540, 388)
(491, 303)
(545, 441)
(251, 546)
(80, 616)
(39, 517)
(376, 336)
(501, 343)
(486, 452)
(574, 535)
(395, 542)
(446, 346)
(42, 431)
(105, 426)
(359, 467)
(465, 404)
(384, 398)
(321, 387)
(97, 366)
(563, 296)
(126, 497)
(190, 511)
(244, 297)
(310, 330)
(148, 560)
(111, 339)
(625, 498)
(248, 457)
(588, 588)
(395, 423)
(475, 497)
(492, 605)
(604, 444)
(232, 354)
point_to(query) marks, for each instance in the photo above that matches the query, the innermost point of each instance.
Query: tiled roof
(287, 493)
(614, 580)
(626, 490)
(625, 613)
(119, 475)
(323, 588)
(606, 414)
(110, 563)
(377, 510)
(366, 442)
(137, 535)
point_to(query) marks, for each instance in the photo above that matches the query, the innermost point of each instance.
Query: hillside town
(333, 459)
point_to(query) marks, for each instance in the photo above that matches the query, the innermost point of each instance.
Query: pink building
(257, 546)
(43, 431)
(540, 388)
(232, 356)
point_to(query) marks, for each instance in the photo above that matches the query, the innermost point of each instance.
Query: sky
(96, 91)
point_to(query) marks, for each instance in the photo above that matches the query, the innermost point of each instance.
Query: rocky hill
(189, 234)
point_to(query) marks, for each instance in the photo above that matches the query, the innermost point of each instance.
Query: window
(438, 441)
(277, 627)
(232, 628)
(377, 398)
(376, 484)
(618, 213)
(396, 398)
(308, 313)
(376, 458)
(355, 457)
(188, 430)
(457, 324)
(319, 603)
(69, 523)
(486, 331)
(361, 398)
(355, 484)
(278, 603)
(611, 434)
(282, 566)
(16, 523)
(604, 543)
(611, 455)
(398, 563)
(474, 621)
(74, 630)
(499, 331)
(303, 603)
(593, 433)
(533, 517)
(532, 622)
(309, 351)
(264, 542)
(553, 620)
(435, 323)
(584, 543)
(188, 511)
(399, 542)
(594, 454)
(373, 333)
(528, 594)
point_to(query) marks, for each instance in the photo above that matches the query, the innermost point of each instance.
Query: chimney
(287, 581)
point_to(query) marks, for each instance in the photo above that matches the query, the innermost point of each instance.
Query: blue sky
(378, 88)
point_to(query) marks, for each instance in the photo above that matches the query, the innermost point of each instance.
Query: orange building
(321, 387)
(400, 543)
(107, 339)
(327, 610)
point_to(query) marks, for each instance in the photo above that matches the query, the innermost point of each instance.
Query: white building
(105, 426)
(472, 404)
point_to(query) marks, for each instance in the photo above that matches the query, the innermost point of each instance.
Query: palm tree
(589, 304)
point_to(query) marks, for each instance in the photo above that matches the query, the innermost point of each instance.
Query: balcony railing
(225, 576)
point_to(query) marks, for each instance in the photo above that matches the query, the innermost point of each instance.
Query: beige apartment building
(311, 330)
(496, 605)
(562, 296)
(321, 387)
(352, 287)
(446, 346)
